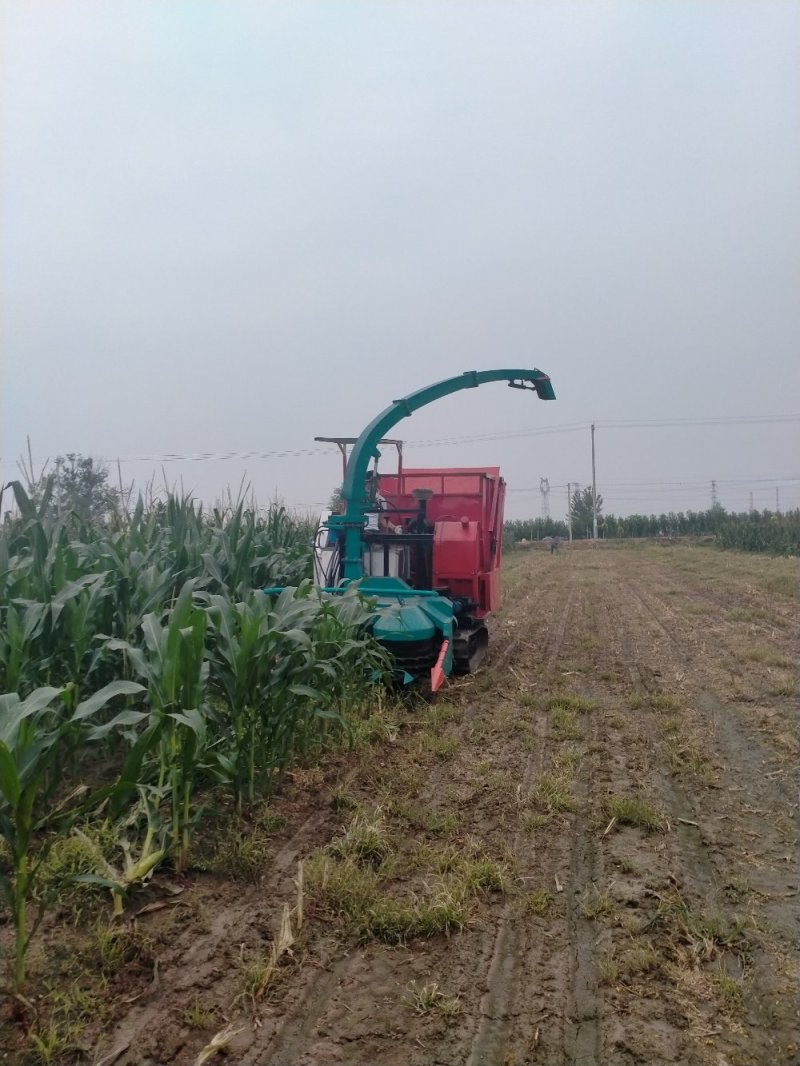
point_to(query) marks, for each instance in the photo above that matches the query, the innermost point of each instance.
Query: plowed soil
(603, 821)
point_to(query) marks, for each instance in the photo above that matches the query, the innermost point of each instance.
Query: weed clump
(552, 793)
(635, 811)
(539, 902)
(198, 1016)
(595, 904)
(428, 998)
(349, 882)
(785, 687)
(620, 967)
(663, 701)
(577, 704)
(761, 653)
(365, 841)
(706, 934)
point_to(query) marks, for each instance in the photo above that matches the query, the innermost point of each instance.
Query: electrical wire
(569, 427)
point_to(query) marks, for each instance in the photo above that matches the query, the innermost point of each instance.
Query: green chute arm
(366, 447)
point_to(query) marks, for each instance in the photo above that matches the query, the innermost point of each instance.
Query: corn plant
(241, 645)
(173, 665)
(238, 684)
(35, 741)
(23, 622)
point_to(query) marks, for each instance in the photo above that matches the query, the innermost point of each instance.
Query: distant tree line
(762, 531)
(759, 531)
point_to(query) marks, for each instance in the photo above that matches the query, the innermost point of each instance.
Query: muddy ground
(587, 854)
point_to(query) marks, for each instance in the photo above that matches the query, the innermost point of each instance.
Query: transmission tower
(714, 495)
(544, 488)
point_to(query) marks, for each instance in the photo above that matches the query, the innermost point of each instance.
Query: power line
(575, 427)
(569, 427)
(678, 487)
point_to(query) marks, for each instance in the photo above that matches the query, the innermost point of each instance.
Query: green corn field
(144, 674)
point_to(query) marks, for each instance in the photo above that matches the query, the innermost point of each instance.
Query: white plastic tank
(375, 564)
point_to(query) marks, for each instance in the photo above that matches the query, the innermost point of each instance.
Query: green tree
(81, 485)
(581, 509)
(336, 500)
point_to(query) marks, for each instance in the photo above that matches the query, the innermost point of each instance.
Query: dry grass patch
(634, 810)
(729, 991)
(356, 897)
(442, 713)
(538, 902)
(564, 724)
(552, 793)
(705, 933)
(436, 823)
(663, 701)
(441, 747)
(687, 757)
(595, 904)
(365, 841)
(784, 584)
(785, 686)
(567, 760)
(577, 704)
(429, 998)
(348, 883)
(763, 653)
(532, 820)
(622, 967)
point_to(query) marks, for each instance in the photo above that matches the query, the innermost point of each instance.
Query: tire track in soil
(765, 798)
(291, 1044)
(721, 630)
(497, 1007)
(582, 1032)
(679, 858)
(634, 1028)
(703, 870)
(557, 999)
(739, 745)
(699, 857)
(722, 601)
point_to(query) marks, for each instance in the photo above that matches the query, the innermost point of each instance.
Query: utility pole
(544, 488)
(594, 492)
(714, 496)
(751, 502)
(777, 499)
(569, 510)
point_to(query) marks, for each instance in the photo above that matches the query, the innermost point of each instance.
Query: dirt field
(585, 854)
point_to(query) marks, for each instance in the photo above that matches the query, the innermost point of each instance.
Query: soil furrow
(497, 1007)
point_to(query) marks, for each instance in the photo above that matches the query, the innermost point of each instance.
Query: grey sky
(229, 227)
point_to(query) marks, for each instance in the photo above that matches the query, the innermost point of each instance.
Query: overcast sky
(229, 227)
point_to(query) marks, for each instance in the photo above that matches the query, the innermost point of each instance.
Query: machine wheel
(469, 648)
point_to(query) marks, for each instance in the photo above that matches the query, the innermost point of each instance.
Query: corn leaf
(94, 703)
